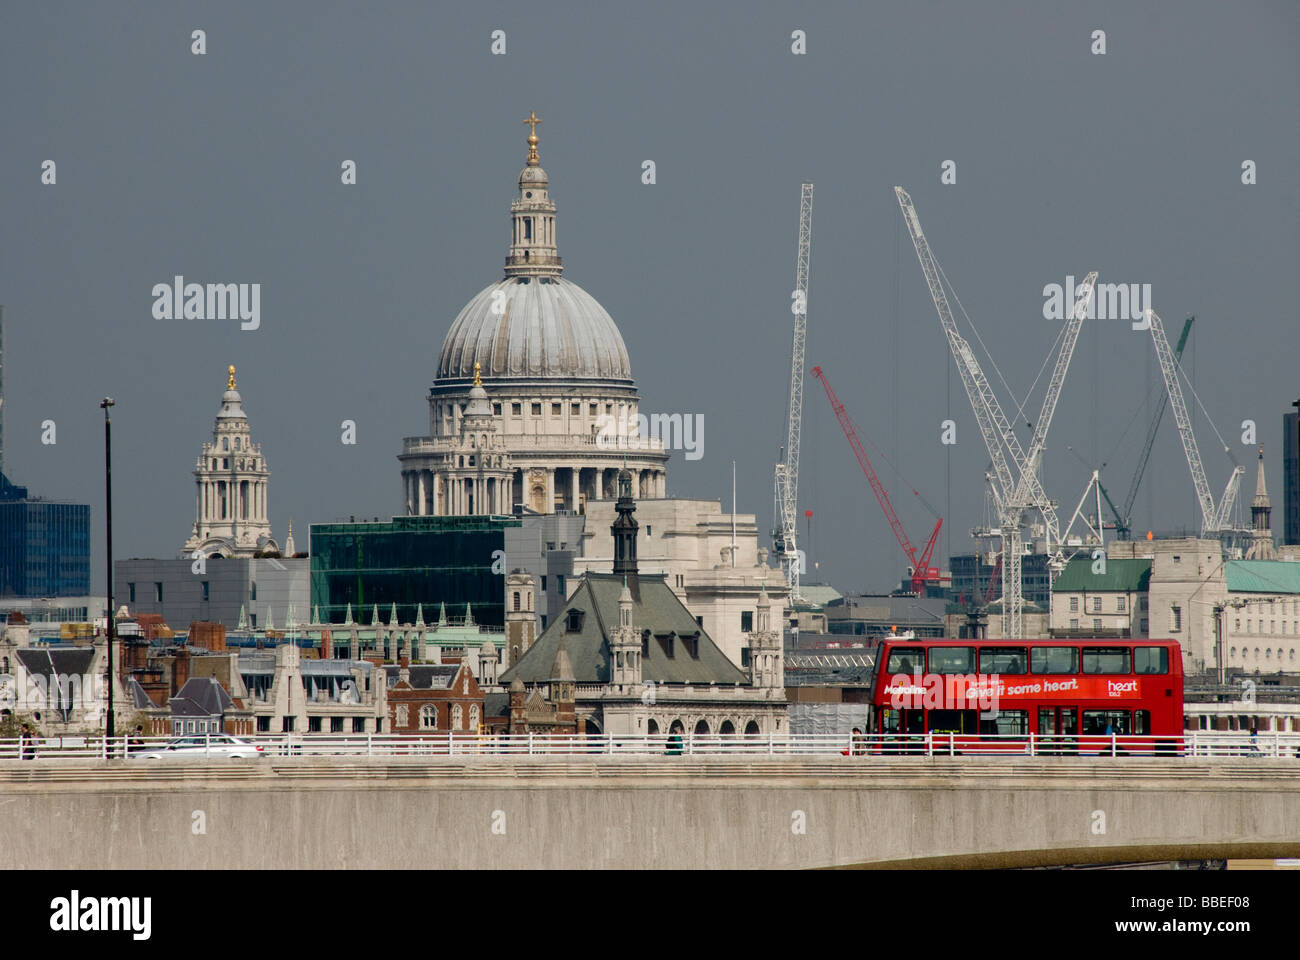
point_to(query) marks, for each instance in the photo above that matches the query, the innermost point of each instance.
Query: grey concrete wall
(676, 812)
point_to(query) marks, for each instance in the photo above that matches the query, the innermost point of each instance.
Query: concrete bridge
(659, 812)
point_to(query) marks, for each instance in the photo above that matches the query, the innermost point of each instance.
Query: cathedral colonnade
(443, 493)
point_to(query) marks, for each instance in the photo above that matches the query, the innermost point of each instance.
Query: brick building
(433, 698)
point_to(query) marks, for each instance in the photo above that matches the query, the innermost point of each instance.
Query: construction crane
(1214, 519)
(921, 569)
(1015, 482)
(786, 484)
(1124, 518)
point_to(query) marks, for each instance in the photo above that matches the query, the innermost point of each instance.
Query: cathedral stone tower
(1261, 510)
(231, 477)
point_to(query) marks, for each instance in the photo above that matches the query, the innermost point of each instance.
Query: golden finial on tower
(478, 382)
(230, 380)
(533, 139)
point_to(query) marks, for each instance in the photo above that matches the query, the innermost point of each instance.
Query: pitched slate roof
(496, 704)
(1122, 576)
(139, 699)
(66, 661)
(656, 609)
(200, 697)
(425, 677)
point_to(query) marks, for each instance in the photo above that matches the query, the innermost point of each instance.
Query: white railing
(1199, 744)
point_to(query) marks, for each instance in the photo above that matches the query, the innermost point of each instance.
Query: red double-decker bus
(1068, 694)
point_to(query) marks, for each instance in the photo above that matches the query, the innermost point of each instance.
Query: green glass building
(408, 561)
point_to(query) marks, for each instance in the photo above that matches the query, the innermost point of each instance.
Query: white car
(198, 747)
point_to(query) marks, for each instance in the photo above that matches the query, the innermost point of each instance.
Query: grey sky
(225, 168)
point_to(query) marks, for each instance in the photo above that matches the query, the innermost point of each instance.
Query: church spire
(1261, 509)
(624, 530)
(532, 218)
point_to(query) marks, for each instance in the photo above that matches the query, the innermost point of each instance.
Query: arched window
(457, 717)
(751, 728)
(516, 600)
(225, 444)
(702, 728)
(652, 727)
(428, 717)
(473, 716)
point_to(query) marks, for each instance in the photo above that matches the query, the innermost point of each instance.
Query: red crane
(995, 582)
(922, 572)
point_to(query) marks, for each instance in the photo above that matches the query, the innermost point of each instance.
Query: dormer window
(573, 621)
(692, 644)
(645, 644)
(666, 640)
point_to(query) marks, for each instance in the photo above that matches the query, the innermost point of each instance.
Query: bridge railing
(1195, 744)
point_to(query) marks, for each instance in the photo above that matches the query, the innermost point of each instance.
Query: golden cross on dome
(230, 379)
(478, 382)
(532, 121)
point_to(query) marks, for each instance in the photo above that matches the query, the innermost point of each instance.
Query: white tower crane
(1214, 519)
(784, 539)
(1015, 483)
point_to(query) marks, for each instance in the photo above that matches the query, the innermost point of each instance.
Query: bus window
(889, 721)
(952, 660)
(1047, 721)
(1150, 660)
(952, 721)
(906, 660)
(1003, 660)
(1053, 660)
(1105, 660)
(1005, 722)
(1141, 721)
(1096, 722)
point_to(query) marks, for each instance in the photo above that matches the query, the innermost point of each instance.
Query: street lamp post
(105, 404)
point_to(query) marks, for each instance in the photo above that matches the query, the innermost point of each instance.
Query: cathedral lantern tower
(231, 478)
(533, 252)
